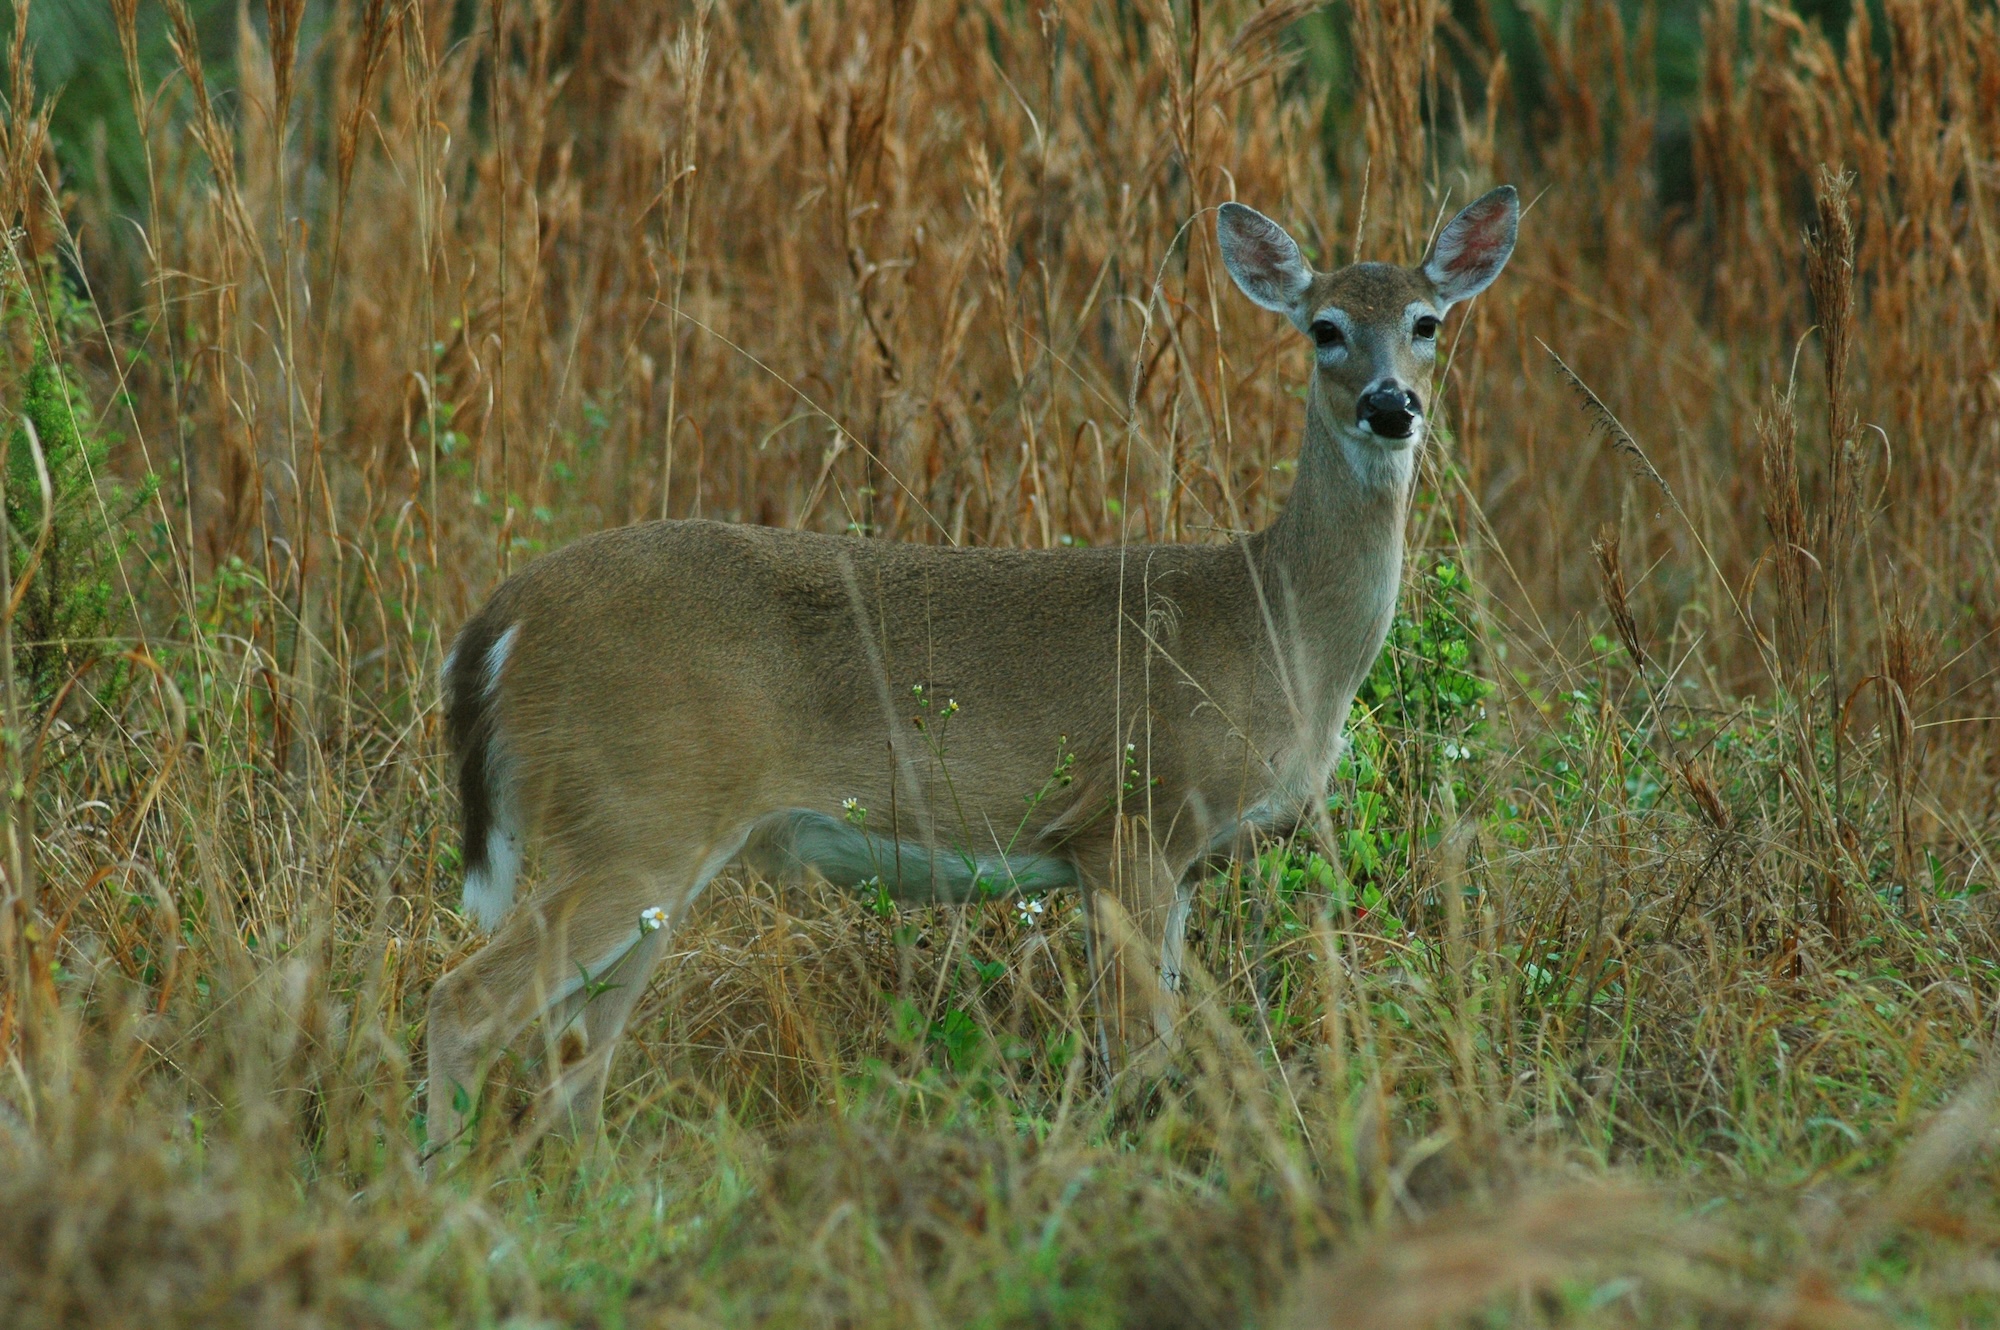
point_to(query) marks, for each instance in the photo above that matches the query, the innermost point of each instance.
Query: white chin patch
(1363, 428)
(489, 894)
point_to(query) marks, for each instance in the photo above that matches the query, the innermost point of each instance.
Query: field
(1644, 970)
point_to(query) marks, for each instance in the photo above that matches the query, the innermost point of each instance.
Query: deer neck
(1331, 564)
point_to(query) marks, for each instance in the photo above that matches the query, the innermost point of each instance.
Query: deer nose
(1389, 410)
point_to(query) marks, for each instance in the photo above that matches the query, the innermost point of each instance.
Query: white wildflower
(652, 919)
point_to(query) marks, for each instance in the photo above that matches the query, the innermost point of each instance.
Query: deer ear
(1264, 260)
(1471, 251)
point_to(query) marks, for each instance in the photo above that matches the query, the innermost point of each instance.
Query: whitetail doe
(654, 702)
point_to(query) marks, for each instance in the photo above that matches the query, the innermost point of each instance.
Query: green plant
(68, 519)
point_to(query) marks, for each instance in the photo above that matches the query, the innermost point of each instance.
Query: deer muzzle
(1389, 411)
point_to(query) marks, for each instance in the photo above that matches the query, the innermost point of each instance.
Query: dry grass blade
(1617, 595)
(1602, 415)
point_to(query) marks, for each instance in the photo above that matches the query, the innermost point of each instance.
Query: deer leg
(582, 1033)
(1138, 921)
(581, 952)
(1173, 954)
(548, 950)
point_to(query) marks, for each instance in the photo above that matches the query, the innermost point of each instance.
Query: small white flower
(850, 805)
(652, 919)
(1030, 908)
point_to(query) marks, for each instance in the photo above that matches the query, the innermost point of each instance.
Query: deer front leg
(1137, 911)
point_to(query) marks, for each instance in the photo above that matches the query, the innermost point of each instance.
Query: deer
(651, 704)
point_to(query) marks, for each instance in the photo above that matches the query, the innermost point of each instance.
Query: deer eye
(1427, 327)
(1327, 333)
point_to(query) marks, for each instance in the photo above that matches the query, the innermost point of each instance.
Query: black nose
(1389, 411)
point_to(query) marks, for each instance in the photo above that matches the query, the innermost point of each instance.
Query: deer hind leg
(582, 1032)
(579, 955)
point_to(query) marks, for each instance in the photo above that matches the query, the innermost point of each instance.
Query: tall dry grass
(1635, 981)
